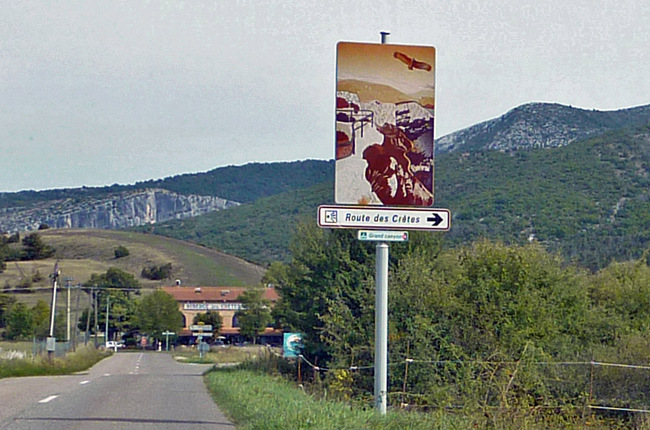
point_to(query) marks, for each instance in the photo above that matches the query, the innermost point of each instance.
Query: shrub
(121, 251)
(157, 273)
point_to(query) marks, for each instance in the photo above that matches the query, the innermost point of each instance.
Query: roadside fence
(500, 385)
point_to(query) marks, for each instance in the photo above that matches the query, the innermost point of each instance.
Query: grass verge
(255, 400)
(254, 395)
(220, 355)
(82, 359)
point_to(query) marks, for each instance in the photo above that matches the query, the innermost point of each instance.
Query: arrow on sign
(435, 219)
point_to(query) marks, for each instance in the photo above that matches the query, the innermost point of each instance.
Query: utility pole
(67, 280)
(108, 297)
(76, 320)
(96, 325)
(90, 308)
(51, 340)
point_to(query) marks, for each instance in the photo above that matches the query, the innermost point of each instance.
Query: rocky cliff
(540, 125)
(126, 209)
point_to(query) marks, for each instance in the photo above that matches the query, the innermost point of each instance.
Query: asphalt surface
(126, 391)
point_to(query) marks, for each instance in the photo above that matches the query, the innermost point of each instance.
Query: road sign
(384, 218)
(292, 345)
(383, 236)
(384, 124)
(201, 327)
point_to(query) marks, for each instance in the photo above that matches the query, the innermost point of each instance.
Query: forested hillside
(249, 182)
(589, 200)
(526, 176)
(259, 232)
(237, 183)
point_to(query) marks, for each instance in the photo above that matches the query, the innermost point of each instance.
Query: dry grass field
(80, 253)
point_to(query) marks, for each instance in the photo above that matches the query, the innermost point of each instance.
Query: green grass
(255, 400)
(219, 355)
(254, 395)
(82, 359)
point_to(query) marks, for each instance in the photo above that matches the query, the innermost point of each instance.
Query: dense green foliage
(116, 289)
(250, 182)
(255, 314)
(589, 200)
(35, 249)
(210, 318)
(157, 272)
(239, 183)
(158, 312)
(121, 251)
(257, 401)
(258, 232)
(471, 315)
(25, 323)
(6, 302)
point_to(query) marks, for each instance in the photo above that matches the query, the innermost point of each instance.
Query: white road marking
(47, 399)
(84, 382)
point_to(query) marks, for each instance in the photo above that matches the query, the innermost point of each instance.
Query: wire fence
(455, 384)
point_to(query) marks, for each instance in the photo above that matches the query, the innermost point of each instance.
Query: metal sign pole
(381, 316)
(381, 326)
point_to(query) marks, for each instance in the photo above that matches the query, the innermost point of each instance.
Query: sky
(98, 93)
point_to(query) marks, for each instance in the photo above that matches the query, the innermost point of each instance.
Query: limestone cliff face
(121, 210)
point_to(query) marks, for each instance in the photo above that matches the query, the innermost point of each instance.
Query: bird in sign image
(411, 62)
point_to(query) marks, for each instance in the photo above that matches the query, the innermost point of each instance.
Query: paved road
(125, 391)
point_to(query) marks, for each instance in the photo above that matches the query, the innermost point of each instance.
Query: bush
(157, 273)
(121, 251)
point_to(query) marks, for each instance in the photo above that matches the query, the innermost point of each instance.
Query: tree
(210, 318)
(158, 312)
(330, 276)
(116, 287)
(35, 249)
(6, 302)
(41, 319)
(255, 314)
(19, 322)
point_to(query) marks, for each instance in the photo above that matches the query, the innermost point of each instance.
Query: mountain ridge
(584, 181)
(540, 125)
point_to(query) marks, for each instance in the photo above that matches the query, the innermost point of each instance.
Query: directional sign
(383, 218)
(201, 327)
(383, 236)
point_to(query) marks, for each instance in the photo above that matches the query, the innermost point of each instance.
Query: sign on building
(385, 104)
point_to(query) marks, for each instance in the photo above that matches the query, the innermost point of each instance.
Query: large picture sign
(384, 124)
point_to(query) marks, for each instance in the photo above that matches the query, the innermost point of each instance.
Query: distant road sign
(201, 327)
(383, 236)
(383, 218)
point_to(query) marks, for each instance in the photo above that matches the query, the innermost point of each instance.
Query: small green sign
(383, 236)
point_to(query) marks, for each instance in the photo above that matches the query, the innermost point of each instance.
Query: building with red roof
(224, 300)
